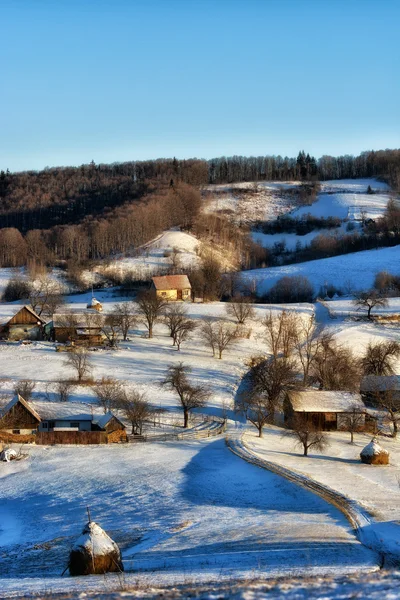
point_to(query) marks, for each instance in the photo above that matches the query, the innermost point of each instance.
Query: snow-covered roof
(373, 449)
(94, 303)
(172, 282)
(379, 383)
(76, 411)
(322, 401)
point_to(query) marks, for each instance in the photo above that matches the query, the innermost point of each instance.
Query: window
(45, 425)
(163, 293)
(74, 424)
(51, 424)
(16, 431)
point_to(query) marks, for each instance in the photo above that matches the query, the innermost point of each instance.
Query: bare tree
(63, 389)
(136, 408)
(175, 314)
(190, 396)
(391, 405)
(126, 318)
(108, 393)
(25, 388)
(353, 422)
(150, 308)
(369, 300)
(184, 330)
(307, 339)
(307, 435)
(111, 329)
(219, 335)
(281, 333)
(256, 408)
(79, 360)
(208, 335)
(335, 367)
(270, 378)
(45, 295)
(379, 358)
(240, 308)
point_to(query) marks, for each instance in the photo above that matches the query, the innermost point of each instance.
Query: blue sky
(116, 80)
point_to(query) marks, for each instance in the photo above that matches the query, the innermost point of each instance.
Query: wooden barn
(326, 409)
(81, 329)
(375, 388)
(172, 287)
(24, 325)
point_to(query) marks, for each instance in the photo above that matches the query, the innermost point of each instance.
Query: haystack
(95, 304)
(94, 552)
(374, 454)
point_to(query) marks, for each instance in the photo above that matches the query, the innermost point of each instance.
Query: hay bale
(374, 454)
(94, 552)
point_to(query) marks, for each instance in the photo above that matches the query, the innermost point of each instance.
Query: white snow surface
(355, 271)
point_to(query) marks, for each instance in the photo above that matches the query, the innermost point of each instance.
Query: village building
(172, 287)
(375, 388)
(79, 329)
(39, 417)
(327, 410)
(24, 325)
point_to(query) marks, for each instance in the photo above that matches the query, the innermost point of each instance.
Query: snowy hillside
(354, 271)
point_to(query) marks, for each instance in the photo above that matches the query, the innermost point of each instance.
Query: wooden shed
(24, 325)
(327, 410)
(172, 287)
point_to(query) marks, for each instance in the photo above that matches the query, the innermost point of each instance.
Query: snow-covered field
(354, 271)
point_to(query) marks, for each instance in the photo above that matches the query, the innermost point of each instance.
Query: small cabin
(172, 287)
(24, 325)
(327, 410)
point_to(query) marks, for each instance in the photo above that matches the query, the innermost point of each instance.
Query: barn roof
(31, 311)
(27, 405)
(321, 401)
(171, 282)
(380, 383)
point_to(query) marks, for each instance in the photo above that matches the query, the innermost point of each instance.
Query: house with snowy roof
(377, 388)
(172, 287)
(327, 410)
(21, 417)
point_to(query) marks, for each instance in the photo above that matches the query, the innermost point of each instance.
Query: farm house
(375, 388)
(81, 329)
(172, 287)
(24, 325)
(326, 410)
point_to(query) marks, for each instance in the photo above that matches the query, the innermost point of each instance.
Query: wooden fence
(48, 438)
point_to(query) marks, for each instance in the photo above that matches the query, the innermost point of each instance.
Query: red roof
(172, 282)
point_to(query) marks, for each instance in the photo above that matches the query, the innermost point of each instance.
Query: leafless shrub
(135, 407)
(63, 389)
(219, 335)
(108, 393)
(369, 300)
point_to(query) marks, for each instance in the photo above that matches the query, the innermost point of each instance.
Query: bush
(16, 289)
(25, 388)
(291, 289)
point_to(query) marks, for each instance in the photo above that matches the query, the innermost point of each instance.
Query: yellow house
(172, 287)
